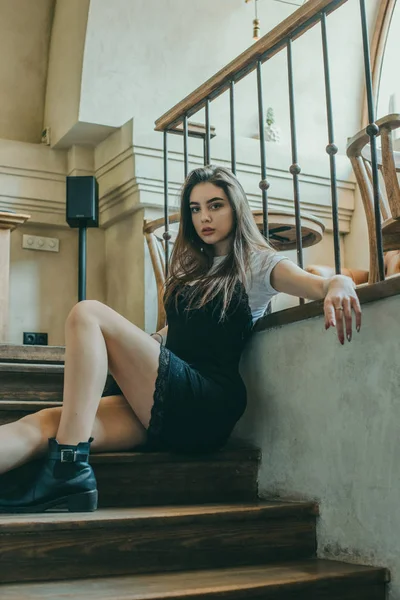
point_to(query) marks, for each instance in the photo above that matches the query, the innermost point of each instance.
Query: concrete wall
(326, 418)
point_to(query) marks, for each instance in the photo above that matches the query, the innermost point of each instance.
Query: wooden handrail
(293, 27)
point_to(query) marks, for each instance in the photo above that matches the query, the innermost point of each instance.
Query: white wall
(390, 83)
(65, 67)
(135, 65)
(131, 70)
(44, 285)
(356, 243)
(25, 28)
(326, 418)
(125, 268)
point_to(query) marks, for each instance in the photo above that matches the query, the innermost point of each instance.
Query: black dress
(199, 394)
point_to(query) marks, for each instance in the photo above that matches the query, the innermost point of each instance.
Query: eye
(194, 209)
(216, 205)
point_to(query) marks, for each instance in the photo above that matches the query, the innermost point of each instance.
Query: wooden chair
(359, 276)
(359, 152)
(156, 247)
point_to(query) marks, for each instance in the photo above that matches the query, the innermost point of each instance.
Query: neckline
(215, 258)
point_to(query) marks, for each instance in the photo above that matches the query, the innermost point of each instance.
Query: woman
(183, 396)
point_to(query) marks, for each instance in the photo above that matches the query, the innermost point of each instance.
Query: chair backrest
(153, 231)
(359, 152)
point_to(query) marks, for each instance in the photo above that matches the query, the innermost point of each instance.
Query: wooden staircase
(168, 526)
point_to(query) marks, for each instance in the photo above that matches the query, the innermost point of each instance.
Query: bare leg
(95, 335)
(97, 338)
(116, 427)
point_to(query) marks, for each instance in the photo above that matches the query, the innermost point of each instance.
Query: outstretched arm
(339, 293)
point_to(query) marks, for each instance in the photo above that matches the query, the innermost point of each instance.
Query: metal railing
(310, 15)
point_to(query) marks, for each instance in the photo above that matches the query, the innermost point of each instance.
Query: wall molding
(130, 175)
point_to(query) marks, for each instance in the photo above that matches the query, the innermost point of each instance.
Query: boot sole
(84, 502)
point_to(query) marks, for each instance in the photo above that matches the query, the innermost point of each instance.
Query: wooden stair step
(31, 382)
(34, 354)
(141, 540)
(21, 405)
(12, 410)
(306, 580)
(30, 368)
(128, 479)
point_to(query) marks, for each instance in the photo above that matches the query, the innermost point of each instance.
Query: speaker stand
(82, 263)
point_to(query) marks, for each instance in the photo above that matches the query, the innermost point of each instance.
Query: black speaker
(82, 201)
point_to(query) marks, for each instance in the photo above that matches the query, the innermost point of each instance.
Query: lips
(207, 231)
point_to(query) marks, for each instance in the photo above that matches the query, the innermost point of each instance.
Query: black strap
(69, 455)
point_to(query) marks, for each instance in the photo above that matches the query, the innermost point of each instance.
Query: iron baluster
(264, 183)
(331, 148)
(372, 130)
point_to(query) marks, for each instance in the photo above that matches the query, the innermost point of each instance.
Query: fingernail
(358, 328)
(349, 337)
(332, 323)
(326, 326)
(342, 341)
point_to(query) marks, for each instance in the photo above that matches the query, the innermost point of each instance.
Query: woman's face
(212, 216)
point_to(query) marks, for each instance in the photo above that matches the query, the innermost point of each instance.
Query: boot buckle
(68, 455)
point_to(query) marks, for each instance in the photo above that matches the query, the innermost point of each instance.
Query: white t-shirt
(258, 280)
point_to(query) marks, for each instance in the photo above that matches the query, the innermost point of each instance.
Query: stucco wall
(389, 84)
(152, 67)
(135, 65)
(137, 59)
(125, 268)
(44, 285)
(65, 67)
(25, 28)
(326, 418)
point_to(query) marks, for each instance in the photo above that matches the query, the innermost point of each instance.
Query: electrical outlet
(36, 242)
(35, 339)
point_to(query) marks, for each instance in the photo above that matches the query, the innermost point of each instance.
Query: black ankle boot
(65, 481)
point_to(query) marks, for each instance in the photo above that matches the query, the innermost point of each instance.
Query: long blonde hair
(191, 259)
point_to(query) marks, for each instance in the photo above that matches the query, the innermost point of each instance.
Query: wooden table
(8, 222)
(281, 226)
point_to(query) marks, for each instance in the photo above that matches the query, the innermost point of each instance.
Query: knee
(82, 311)
(44, 422)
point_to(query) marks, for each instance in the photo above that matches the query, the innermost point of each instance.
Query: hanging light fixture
(256, 22)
